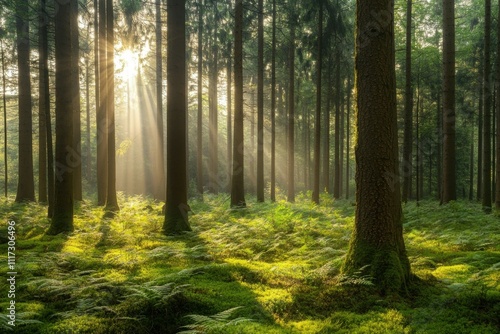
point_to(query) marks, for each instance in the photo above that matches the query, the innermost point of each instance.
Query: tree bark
(497, 170)
(336, 182)
(348, 139)
(487, 93)
(43, 102)
(213, 175)
(260, 104)
(317, 119)
(273, 107)
(101, 117)
(77, 134)
(449, 157)
(62, 220)
(4, 100)
(199, 132)
(377, 246)
(159, 182)
(111, 200)
(176, 213)
(237, 182)
(291, 112)
(26, 183)
(229, 118)
(408, 120)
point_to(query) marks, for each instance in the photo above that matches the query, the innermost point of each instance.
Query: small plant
(208, 324)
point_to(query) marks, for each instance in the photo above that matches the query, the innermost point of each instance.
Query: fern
(205, 324)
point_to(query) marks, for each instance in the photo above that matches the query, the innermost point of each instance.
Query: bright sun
(127, 62)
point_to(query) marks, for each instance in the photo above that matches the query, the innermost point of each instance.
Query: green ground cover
(271, 268)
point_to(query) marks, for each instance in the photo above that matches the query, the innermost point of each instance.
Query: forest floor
(270, 268)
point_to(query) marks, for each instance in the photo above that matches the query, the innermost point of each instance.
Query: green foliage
(277, 264)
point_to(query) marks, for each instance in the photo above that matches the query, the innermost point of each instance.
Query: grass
(271, 268)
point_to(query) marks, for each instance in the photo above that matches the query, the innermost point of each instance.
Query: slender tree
(159, 188)
(348, 138)
(291, 109)
(4, 100)
(62, 220)
(377, 246)
(408, 119)
(449, 162)
(176, 218)
(213, 129)
(497, 171)
(43, 101)
(101, 119)
(487, 94)
(26, 183)
(326, 132)
(273, 106)
(199, 132)
(237, 181)
(260, 104)
(229, 121)
(317, 119)
(111, 200)
(336, 179)
(75, 84)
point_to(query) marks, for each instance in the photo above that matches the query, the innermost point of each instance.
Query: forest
(250, 166)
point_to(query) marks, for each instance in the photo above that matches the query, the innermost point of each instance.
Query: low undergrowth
(270, 268)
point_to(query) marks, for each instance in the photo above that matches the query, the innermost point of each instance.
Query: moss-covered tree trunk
(377, 244)
(176, 219)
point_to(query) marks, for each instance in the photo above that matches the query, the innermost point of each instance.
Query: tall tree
(237, 181)
(377, 246)
(260, 104)
(326, 132)
(159, 188)
(176, 218)
(229, 121)
(62, 220)
(317, 119)
(408, 119)
(273, 107)
(336, 179)
(111, 200)
(348, 138)
(449, 159)
(291, 108)
(77, 135)
(4, 100)
(497, 171)
(213, 129)
(487, 94)
(26, 183)
(43, 101)
(101, 119)
(199, 132)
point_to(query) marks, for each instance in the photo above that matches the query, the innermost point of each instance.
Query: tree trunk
(273, 107)
(471, 166)
(336, 182)
(199, 132)
(26, 183)
(62, 220)
(449, 157)
(317, 119)
(4, 100)
(260, 105)
(408, 120)
(77, 135)
(213, 174)
(101, 118)
(43, 102)
(326, 134)
(348, 139)
(291, 113)
(229, 118)
(111, 200)
(439, 131)
(237, 182)
(88, 151)
(176, 213)
(159, 182)
(377, 246)
(487, 111)
(497, 138)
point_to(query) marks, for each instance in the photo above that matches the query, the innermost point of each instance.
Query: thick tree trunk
(317, 119)
(237, 182)
(449, 157)
(377, 246)
(75, 86)
(101, 118)
(488, 91)
(260, 104)
(26, 183)
(62, 220)
(111, 200)
(176, 213)
(408, 120)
